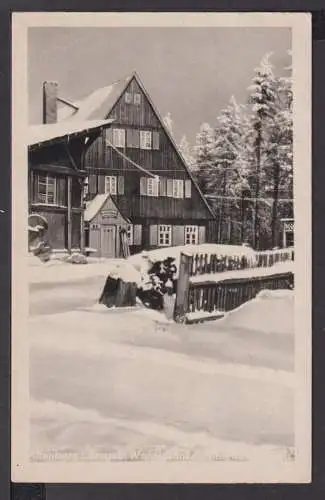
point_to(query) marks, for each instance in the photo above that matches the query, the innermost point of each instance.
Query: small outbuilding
(107, 232)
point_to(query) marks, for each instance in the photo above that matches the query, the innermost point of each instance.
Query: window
(152, 186)
(149, 186)
(46, 189)
(178, 188)
(129, 234)
(188, 187)
(128, 97)
(191, 235)
(164, 236)
(145, 139)
(110, 184)
(137, 99)
(119, 137)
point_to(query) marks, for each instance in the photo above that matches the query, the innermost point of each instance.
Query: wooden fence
(202, 298)
(216, 263)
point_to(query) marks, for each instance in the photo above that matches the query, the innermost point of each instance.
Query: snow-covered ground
(110, 383)
(116, 383)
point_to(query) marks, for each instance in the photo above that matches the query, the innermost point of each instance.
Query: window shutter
(156, 183)
(136, 138)
(155, 140)
(129, 138)
(178, 235)
(137, 234)
(120, 184)
(101, 184)
(188, 187)
(143, 186)
(109, 135)
(180, 189)
(162, 186)
(153, 235)
(201, 234)
(170, 188)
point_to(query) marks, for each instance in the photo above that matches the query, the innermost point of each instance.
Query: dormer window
(128, 97)
(137, 99)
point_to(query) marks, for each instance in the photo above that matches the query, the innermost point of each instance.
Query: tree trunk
(276, 180)
(221, 212)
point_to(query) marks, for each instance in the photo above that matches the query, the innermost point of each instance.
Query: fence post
(183, 285)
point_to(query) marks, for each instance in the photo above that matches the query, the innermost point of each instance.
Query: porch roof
(40, 134)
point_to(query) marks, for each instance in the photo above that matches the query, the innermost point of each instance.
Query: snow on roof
(94, 206)
(38, 134)
(95, 105)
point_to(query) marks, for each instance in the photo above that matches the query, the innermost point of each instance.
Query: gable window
(119, 137)
(149, 186)
(191, 235)
(46, 189)
(145, 139)
(137, 99)
(178, 188)
(110, 184)
(128, 97)
(164, 236)
(152, 186)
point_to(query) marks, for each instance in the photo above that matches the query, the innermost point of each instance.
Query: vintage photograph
(161, 256)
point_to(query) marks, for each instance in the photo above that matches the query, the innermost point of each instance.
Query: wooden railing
(199, 297)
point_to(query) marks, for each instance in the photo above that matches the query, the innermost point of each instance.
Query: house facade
(56, 179)
(138, 164)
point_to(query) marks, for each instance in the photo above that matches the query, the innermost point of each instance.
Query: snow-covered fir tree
(185, 149)
(262, 96)
(279, 155)
(204, 159)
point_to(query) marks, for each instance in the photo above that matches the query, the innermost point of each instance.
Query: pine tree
(185, 150)
(204, 157)
(279, 150)
(262, 97)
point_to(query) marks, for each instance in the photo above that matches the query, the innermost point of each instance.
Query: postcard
(161, 262)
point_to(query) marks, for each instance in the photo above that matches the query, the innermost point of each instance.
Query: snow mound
(271, 312)
(125, 271)
(206, 248)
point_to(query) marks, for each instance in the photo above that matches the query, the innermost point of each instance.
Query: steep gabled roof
(96, 105)
(100, 103)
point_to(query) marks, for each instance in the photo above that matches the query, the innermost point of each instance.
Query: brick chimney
(50, 103)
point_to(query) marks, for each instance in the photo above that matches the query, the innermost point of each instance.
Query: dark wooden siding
(165, 162)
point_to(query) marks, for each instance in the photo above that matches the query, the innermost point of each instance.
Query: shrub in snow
(158, 281)
(76, 258)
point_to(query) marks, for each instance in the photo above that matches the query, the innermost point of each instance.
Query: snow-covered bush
(159, 279)
(76, 258)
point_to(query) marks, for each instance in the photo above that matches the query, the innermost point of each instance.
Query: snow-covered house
(56, 176)
(137, 163)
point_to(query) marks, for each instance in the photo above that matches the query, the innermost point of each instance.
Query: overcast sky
(190, 72)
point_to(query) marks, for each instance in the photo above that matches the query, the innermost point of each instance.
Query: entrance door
(108, 241)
